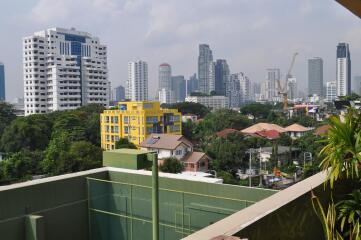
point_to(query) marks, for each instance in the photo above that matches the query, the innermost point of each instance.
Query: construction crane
(282, 91)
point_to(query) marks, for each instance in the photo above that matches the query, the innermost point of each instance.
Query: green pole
(155, 196)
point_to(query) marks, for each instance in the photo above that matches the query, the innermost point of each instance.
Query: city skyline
(157, 42)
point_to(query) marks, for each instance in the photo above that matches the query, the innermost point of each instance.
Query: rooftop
(113, 203)
(297, 128)
(164, 141)
(263, 127)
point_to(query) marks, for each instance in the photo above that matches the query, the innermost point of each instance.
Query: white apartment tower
(343, 70)
(331, 91)
(137, 83)
(63, 69)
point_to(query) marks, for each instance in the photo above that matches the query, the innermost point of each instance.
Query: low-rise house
(177, 146)
(296, 130)
(259, 127)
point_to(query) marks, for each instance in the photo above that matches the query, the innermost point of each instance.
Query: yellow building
(137, 120)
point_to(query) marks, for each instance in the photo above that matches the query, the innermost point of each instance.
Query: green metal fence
(120, 210)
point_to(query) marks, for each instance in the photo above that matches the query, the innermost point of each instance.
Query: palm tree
(350, 214)
(343, 148)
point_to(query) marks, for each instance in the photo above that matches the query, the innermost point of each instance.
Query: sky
(251, 35)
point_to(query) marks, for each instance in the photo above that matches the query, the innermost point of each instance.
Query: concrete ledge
(239, 220)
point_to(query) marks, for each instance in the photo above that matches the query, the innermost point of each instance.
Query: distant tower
(137, 83)
(206, 71)
(165, 94)
(292, 88)
(343, 70)
(221, 76)
(179, 88)
(273, 75)
(2, 82)
(192, 84)
(315, 76)
(119, 93)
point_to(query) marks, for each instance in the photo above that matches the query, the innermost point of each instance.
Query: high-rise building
(221, 76)
(2, 82)
(119, 93)
(137, 83)
(343, 70)
(64, 69)
(136, 121)
(178, 88)
(164, 76)
(255, 91)
(315, 76)
(273, 76)
(244, 87)
(356, 85)
(292, 88)
(192, 84)
(233, 91)
(165, 93)
(206, 70)
(331, 91)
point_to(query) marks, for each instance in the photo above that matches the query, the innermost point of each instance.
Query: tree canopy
(257, 110)
(171, 165)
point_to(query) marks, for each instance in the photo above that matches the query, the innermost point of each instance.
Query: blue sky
(251, 35)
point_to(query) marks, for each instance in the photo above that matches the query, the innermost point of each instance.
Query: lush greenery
(189, 108)
(50, 144)
(124, 143)
(229, 153)
(341, 220)
(171, 165)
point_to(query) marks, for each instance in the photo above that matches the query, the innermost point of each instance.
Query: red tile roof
(269, 134)
(225, 132)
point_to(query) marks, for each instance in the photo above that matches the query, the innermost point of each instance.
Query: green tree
(227, 177)
(72, 123)
(342, 152)
(56, 157)
(190, 108)
(171, 165)
(223, 118)
(32, 132)
(84, 156)
(124, 143)
(256, 110)
(22, 165)
(227, 154)
(342, 161)
(7, 115)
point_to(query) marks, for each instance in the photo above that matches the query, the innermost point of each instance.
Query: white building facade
(63, 69)
(331, 91)
(212, 102)
(343, 70)
(137, 83)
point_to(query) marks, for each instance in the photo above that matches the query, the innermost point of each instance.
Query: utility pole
(250, 167)
(155, 195)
